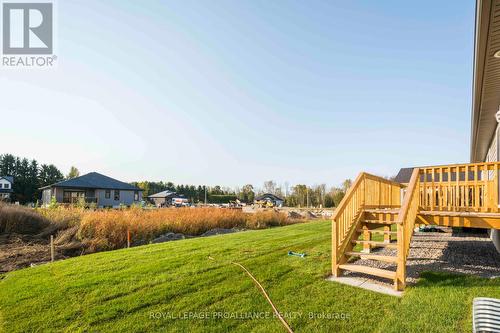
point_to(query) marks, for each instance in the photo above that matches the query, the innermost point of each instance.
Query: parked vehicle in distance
(180, 202)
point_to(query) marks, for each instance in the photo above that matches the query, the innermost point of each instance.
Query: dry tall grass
(107, 229)
(20, 220)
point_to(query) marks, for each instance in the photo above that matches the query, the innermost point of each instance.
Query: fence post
(52, 250)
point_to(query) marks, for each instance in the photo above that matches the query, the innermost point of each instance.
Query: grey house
(95, 188)
(271, 198)
(163, 198)
(6, 183)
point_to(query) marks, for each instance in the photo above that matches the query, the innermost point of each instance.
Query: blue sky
(236, 92)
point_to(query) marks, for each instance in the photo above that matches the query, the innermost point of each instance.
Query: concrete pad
(366, 284)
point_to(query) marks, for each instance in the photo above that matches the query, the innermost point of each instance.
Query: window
(6, 185)
(117, 195)
(136, 196)
(107, 194)
(73, 196)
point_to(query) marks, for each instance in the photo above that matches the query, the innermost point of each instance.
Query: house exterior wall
(46, 196)
(159, 201)
(493, 156)
(4, 181)
(58, 193)
(6, 189)
(126, 198)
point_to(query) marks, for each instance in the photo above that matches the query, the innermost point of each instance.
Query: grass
(163, 287)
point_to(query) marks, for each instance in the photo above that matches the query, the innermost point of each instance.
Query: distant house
(274, 200)
(403, 175)
(6, 183)
(163, 198)
(95, 188)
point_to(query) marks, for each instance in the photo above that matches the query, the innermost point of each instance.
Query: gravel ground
(447, 251)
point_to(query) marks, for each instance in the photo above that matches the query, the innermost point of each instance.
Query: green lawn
(159, 287)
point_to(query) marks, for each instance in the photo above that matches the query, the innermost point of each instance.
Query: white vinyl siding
(492, 156)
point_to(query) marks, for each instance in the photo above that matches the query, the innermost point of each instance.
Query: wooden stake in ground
(52, 249)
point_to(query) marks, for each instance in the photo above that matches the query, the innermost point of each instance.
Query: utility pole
(205, 194)
(307, 194)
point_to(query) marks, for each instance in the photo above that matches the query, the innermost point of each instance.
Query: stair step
(372, 256)
(383, 211)
(383, 244)
(379, 222)
(369, 270)
(375, 231)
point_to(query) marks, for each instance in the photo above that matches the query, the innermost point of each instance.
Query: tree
(270, 186)
(73, 173)
(49, 174)
(346, 184)
(247, 194)
(28, 176)
(7, 165)
(216, 190)
(337, 195)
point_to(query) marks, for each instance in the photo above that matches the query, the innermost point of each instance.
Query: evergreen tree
(49, 174)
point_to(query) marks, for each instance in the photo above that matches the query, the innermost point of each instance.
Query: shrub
(266, 219)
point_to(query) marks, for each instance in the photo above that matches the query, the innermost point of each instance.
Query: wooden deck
(460, 219)
(460, 195)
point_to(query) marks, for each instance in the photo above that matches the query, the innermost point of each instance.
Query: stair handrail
(344, 218)
(405, 225)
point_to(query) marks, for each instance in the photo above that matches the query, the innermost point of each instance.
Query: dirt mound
(294, 215)
(171, 236)
(220, 231)
(311, 215)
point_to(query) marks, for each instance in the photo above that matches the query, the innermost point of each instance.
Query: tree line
(30, 176)
(300, 195)
(195, 193)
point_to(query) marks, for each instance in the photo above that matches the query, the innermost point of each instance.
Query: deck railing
(367, 191)
(405, 225)
(460, 187)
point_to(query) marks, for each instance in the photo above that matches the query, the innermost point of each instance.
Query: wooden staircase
(375, 213)
(379, 213)
(376, 231)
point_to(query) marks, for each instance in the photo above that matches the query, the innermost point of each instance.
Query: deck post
(387, 235)
(367, 236)
(494, 202)
(335, 259)
(400, 280)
